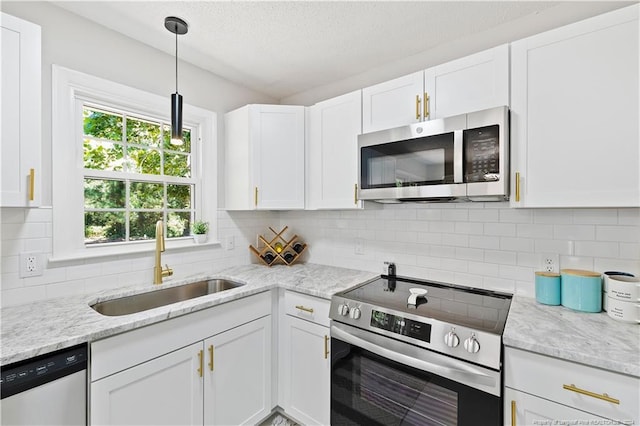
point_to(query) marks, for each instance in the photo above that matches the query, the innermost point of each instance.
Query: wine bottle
(288, 257)
(268, 257)
(298, 247)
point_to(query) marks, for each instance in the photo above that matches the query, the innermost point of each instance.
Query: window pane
(143, 132)
(186, 138)
(178, 196)
(143, 160)
(145, 195)
(177, 165)
(104, 194)
(101, 124)
(142, 225)
(100, 155)
(104, 227)
(178, 224)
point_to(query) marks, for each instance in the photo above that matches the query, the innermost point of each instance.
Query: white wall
(486, 245)
(79, 44)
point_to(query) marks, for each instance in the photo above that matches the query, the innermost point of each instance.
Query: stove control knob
(451, 339)
(343, 310)
(472, 345)
(355, 313)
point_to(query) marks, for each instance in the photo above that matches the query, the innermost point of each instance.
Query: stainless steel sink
(153, 299)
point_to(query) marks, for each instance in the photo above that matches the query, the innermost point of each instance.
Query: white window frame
(71, 88)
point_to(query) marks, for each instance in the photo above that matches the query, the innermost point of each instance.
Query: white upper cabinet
(21, 126)
(574, 115)
(264, 157)
(475, 82)
(472, 83)
(332, 152)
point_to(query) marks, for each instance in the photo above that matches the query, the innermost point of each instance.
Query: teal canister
(548, 288)
(581, 290)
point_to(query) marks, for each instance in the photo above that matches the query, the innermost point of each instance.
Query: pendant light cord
(176, 58)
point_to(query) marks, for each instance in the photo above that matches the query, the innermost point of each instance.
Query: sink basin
(153, 299)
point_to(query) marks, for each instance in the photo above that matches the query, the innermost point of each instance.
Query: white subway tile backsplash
(488, 245)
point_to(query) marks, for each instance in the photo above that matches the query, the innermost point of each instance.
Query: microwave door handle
(457, 156)
(430, 363)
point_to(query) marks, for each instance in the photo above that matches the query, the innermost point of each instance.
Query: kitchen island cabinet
(20, 144)
(147, 376)
(574, 114)
(475, 82)
(264, 153)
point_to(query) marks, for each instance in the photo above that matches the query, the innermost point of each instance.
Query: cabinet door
(575, 114)
(277, 141)
(238, 375)
(472, 83)
(306, 371)
(522, 409)
(167, 390)
(20, 90)
(332, 152)
(393, 103)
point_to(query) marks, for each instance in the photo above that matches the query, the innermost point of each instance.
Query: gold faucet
(158, 271)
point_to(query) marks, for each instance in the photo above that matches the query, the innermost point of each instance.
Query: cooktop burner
(479, 309)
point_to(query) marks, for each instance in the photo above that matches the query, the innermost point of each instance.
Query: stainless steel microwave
(459, 158)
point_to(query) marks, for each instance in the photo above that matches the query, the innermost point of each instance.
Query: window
(111, 147)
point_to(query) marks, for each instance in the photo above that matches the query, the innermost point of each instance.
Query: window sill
(97, 253)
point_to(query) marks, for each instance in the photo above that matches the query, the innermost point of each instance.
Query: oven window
(421, 161)
(367, 389)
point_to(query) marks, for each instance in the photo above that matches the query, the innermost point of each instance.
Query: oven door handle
(422, 359)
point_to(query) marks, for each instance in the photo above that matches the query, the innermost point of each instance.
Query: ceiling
(285, 47)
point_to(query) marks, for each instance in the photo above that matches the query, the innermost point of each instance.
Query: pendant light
(176, 26)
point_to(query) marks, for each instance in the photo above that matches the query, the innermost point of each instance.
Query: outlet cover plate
(30, 264)
(549, 262)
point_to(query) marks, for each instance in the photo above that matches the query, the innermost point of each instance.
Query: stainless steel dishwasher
(50, 389)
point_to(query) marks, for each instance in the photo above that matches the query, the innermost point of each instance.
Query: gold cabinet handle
(513, 413)
(302, 308)
(426, 105)
(32, 184)
(603, 397)
(326, 346)
(417, 107)
(517, 186)
(200, 357)
(355, 194)
(211, 357)
(255, 196)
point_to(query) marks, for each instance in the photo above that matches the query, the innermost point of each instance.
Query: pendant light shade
(176, 26)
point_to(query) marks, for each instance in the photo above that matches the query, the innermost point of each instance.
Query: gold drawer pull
(517, 186)
(200, 357)
(302, 308)
(326, 346)
(603, 397)
(255, 196)
(32, 184)
(355, 194)
(211, 357)
(513, 413)
(417, 107)
(426, 105)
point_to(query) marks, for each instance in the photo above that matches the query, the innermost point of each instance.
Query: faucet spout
(158, 271)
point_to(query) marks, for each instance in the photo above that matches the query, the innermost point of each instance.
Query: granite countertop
(586, 338)
(30, 330)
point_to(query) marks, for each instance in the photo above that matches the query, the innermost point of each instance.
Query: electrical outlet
(229, 242)
(549, 262)
(359, 249)
(30, 265)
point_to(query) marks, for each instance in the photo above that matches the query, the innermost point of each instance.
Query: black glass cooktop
(476, 308)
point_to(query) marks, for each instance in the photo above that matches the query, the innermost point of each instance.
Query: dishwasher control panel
(23, 375)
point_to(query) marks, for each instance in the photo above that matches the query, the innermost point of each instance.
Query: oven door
(376, 380)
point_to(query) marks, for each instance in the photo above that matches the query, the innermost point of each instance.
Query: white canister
(623, 311)
(623, 287)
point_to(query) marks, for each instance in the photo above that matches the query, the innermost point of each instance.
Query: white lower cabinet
(524, 409)
(539, 389)
(305, 359)
(224, 379)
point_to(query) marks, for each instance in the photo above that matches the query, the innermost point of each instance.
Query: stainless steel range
(406, 351)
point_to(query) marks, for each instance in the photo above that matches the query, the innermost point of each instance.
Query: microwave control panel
(482, 154)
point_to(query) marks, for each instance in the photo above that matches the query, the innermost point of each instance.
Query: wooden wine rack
(279, 248)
